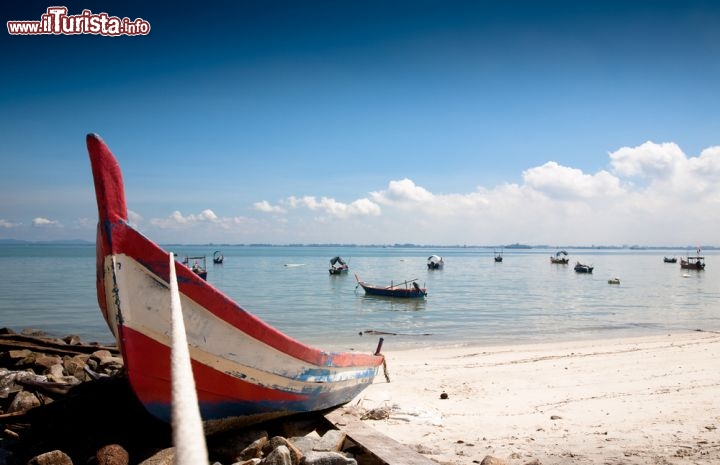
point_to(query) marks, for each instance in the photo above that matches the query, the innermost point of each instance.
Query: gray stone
(332, 440)
(279, 456)
(328, 458)
(278, 441)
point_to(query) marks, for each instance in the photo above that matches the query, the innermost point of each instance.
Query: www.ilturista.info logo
(56, 21)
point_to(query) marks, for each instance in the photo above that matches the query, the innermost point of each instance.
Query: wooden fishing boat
(199, 266)
(245, 370)
(338, 266)
(407, 289)
(498, 256)
(692, 263)
(218, 257)
(582, 268)
(669, 260)
(560, 258)
(435, 262)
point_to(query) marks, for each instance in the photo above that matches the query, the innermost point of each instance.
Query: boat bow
(243, 367)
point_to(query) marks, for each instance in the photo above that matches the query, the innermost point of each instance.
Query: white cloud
(553, 204)
(401, 192)
(44, 222)
(648, 160)
(7, 224)
(564, 183)
(264, 206)
(651, 194)
(134, 218)
(177, 218)
(333, 208)
(206, 218)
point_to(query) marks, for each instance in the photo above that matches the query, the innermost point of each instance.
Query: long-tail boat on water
(406, 289)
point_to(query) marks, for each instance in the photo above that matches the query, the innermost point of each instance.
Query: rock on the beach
(254, 449)
(112, 454)
(54, 457)
(164, 457)
(279, 456)
(23, 400)
(328, 458)
(490, 460)
(278, 441)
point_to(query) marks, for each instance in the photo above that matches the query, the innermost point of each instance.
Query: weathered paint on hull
(242, 365)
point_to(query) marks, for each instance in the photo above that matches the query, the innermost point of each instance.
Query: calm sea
(473, 299)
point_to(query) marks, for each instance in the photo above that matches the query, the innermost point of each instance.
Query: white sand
(649, 400)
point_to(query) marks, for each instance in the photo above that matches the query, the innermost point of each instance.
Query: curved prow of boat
(245, 370)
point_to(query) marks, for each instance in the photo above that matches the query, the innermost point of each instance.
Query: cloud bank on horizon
(651, 194)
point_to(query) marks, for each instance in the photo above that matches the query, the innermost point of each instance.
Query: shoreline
(638, 400)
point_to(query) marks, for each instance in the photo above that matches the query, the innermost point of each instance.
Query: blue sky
(561, 123)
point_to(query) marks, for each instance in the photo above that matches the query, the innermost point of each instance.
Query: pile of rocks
(35, 369)
(63, 401)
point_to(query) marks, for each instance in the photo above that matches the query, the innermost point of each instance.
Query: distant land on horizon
(406, 245)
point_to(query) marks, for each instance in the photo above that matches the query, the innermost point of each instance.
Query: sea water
(473, 299)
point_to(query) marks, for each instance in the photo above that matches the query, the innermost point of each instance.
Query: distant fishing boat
(244, 369)
(560, 258)
(693, 263)
(581, 268)
(218, 257)
(406, 289)
(199, 266)
(338, 266)
(498, 256)
(435, 262)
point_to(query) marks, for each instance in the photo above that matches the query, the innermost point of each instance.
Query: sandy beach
(651, 400)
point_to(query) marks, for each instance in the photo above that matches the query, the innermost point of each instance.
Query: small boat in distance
(406, 289)
(435, 262)
(498, 256)
(614, 280)
(197, 268)
(338, 266)
(560, 258)
(218, 257)
(693, 263)
(669, 259)
(246, 371)
(581, 268)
